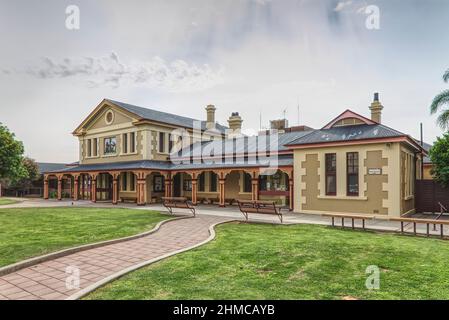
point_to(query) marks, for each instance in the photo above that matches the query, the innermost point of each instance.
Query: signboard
(375, 171)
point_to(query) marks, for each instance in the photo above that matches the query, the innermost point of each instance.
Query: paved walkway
(234, 213)
(47, 280)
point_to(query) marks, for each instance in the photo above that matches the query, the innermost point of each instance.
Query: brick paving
(47, 280)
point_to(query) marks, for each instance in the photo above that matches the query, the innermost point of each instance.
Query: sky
(261, 58)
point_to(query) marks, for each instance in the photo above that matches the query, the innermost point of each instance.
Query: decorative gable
(104, 115)
(348, 118)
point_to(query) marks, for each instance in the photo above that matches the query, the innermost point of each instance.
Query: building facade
(353, 164)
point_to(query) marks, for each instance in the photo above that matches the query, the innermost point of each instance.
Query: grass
(255, 261)
(30, 232)
(4, 201)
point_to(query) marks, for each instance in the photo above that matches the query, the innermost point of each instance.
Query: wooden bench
(427, 222)
(353, 217)
(128, 198)
(177, 202)
(263, 207)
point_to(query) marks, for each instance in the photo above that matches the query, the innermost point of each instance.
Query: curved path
(47, 280)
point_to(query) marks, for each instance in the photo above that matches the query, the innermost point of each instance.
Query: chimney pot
(210, 109)
(235, 124)
(376, 109)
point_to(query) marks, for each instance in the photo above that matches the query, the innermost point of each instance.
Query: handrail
(442, 210)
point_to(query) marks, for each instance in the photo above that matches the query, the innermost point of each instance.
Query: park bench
(177, 202)
(262, 207)
(128, 199)
(427, 222)
(353, 218)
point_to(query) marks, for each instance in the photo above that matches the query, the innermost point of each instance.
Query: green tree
(32, 174)
(11, 156)
(439, 102)
(439, 154)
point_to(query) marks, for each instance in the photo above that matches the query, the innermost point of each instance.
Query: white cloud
(174, 76)
(262, 2)
(342, 5)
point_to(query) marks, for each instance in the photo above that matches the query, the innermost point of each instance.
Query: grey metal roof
(125, 165)
(426, 146)
(347, 133)
(46, 166)
(164, 117)
(286, 160)
(244, 144)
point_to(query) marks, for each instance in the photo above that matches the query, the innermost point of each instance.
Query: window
(132, 142)
(158, 183)
(132, 182)
(170, 142)
(89, 148)
(247, 185)
(95, 147)
(125, 181)
(161, 142)
(331, 174)
(125, 142)
(110, 145)
(213, 182)
(202, 182)
(352, 173)
(274, 182)
(109, 117)
(187, 184)
(408, 175)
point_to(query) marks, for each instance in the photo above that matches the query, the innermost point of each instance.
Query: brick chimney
(376, 109)
(210, 123)
(235, 124)
(280, 125)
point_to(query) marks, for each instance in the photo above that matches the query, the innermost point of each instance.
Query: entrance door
(177, 185)
(104, 187)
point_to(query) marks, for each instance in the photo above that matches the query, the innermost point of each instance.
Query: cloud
(342, 5)
(262, 2)
(110, 71)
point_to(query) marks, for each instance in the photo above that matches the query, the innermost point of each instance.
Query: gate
(427, 195)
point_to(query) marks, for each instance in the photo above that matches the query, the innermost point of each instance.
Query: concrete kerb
(123, 272)
(58, 254)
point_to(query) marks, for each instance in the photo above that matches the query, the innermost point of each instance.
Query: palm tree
(440, 100)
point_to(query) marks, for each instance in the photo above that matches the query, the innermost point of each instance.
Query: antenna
(260, 120)
(284, 112)
(298, 114)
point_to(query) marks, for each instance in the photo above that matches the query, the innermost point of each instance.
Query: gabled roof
(164, 117)
(142, 113)
(362, 132)
(346, 115)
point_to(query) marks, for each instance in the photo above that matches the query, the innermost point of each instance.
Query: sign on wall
(374, 171)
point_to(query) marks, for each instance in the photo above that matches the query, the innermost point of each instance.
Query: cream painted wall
(147, 137)
(392, 187)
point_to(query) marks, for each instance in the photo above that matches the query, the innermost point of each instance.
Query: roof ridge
(145, 108)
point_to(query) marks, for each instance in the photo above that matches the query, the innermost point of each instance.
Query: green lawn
(4, 201)
(255, 261)
(30, 232)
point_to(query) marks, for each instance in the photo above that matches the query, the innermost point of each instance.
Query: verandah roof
(282, 161)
